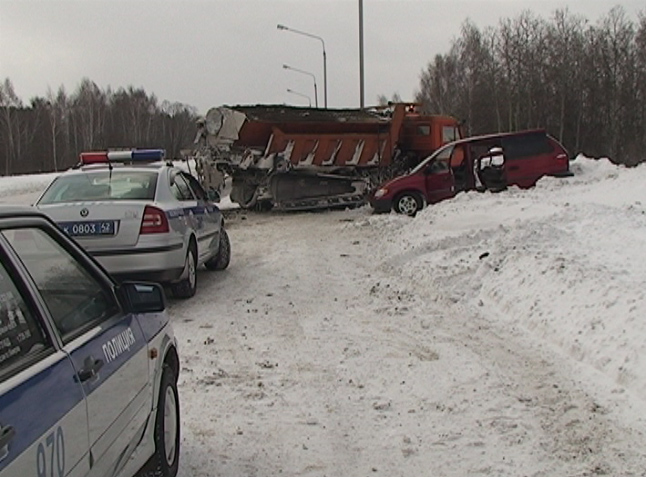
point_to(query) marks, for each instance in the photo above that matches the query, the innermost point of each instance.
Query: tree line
(585, 84)
(49, 133)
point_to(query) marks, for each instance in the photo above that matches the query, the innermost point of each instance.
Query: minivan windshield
(442, 154)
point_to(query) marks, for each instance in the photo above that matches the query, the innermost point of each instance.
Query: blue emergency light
(135, 155)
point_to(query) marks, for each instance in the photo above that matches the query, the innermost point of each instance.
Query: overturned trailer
(305, 158)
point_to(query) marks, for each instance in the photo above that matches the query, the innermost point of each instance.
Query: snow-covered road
(310, 357)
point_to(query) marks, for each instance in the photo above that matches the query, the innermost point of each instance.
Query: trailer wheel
(409, 203)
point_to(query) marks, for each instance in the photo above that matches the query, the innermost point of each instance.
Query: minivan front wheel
(409, 203)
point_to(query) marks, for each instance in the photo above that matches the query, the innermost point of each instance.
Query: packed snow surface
(493, 334)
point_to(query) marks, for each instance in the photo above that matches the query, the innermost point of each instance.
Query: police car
(140, 217)
(88, 367)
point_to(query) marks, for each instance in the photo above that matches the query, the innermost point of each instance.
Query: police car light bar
(136, 155)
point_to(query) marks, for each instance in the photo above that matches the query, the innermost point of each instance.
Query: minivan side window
(437, 167)
(442, 154)
(21, 334)
(526, 145)
(479, 149)
(76, 300)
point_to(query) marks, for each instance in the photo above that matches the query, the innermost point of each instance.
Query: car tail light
(154, 221)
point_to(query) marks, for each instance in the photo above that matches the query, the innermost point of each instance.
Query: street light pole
(287, 67)
(283, 27)
(361, 89)
(301, 95)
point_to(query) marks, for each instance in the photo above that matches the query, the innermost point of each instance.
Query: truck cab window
(450, 134)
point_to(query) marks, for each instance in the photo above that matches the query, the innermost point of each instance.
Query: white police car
(88, 368)
(140, 217)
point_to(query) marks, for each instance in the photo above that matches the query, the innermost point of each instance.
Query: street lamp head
(286, 67)
(281, 27)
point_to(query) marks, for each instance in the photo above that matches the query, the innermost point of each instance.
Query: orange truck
(307, 158)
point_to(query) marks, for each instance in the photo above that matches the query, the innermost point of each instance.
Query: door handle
(6, 436)
(90, 369)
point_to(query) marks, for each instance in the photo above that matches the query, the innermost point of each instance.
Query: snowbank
(563, 259)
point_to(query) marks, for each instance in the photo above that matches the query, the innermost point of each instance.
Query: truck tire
(186, 288)
(164, 462)
(409, 203)
(223, 257)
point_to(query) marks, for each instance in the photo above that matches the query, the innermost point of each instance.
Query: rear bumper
(158, 263)
(159, 276)
(381, 206)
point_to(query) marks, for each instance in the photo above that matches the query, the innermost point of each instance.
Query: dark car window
(76, 300)
(437, 167)
(21, 335)
(180, 189)
(526, 145)
(442, 154)
(481, 148)
(196, 187)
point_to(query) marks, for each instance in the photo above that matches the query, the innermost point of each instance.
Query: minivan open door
(439, 181)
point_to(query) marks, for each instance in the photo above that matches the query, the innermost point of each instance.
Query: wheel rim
(192, 275)
(170, 425)
(408, 205)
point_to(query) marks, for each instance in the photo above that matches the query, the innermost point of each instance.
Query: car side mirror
(142, 297)
(213, 195)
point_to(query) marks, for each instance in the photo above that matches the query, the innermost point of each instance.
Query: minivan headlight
(381, 192)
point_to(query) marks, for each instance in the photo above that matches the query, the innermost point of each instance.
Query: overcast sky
(213, 52)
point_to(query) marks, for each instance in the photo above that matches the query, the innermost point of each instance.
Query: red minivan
(524, 157)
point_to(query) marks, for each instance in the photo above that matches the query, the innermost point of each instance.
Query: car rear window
(101, 185)
(526, 145)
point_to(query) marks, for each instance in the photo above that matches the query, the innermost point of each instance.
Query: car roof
(485, 137)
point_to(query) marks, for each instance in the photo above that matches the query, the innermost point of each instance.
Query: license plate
(89, 228)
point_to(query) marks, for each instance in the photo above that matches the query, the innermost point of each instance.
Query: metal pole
(361, 79)
(324, 75)
(283, 27)
(287, 67)
(301, 95)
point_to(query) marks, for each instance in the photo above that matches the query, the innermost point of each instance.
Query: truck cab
(425, 134)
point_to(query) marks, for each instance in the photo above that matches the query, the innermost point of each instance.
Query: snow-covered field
(493, 334)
